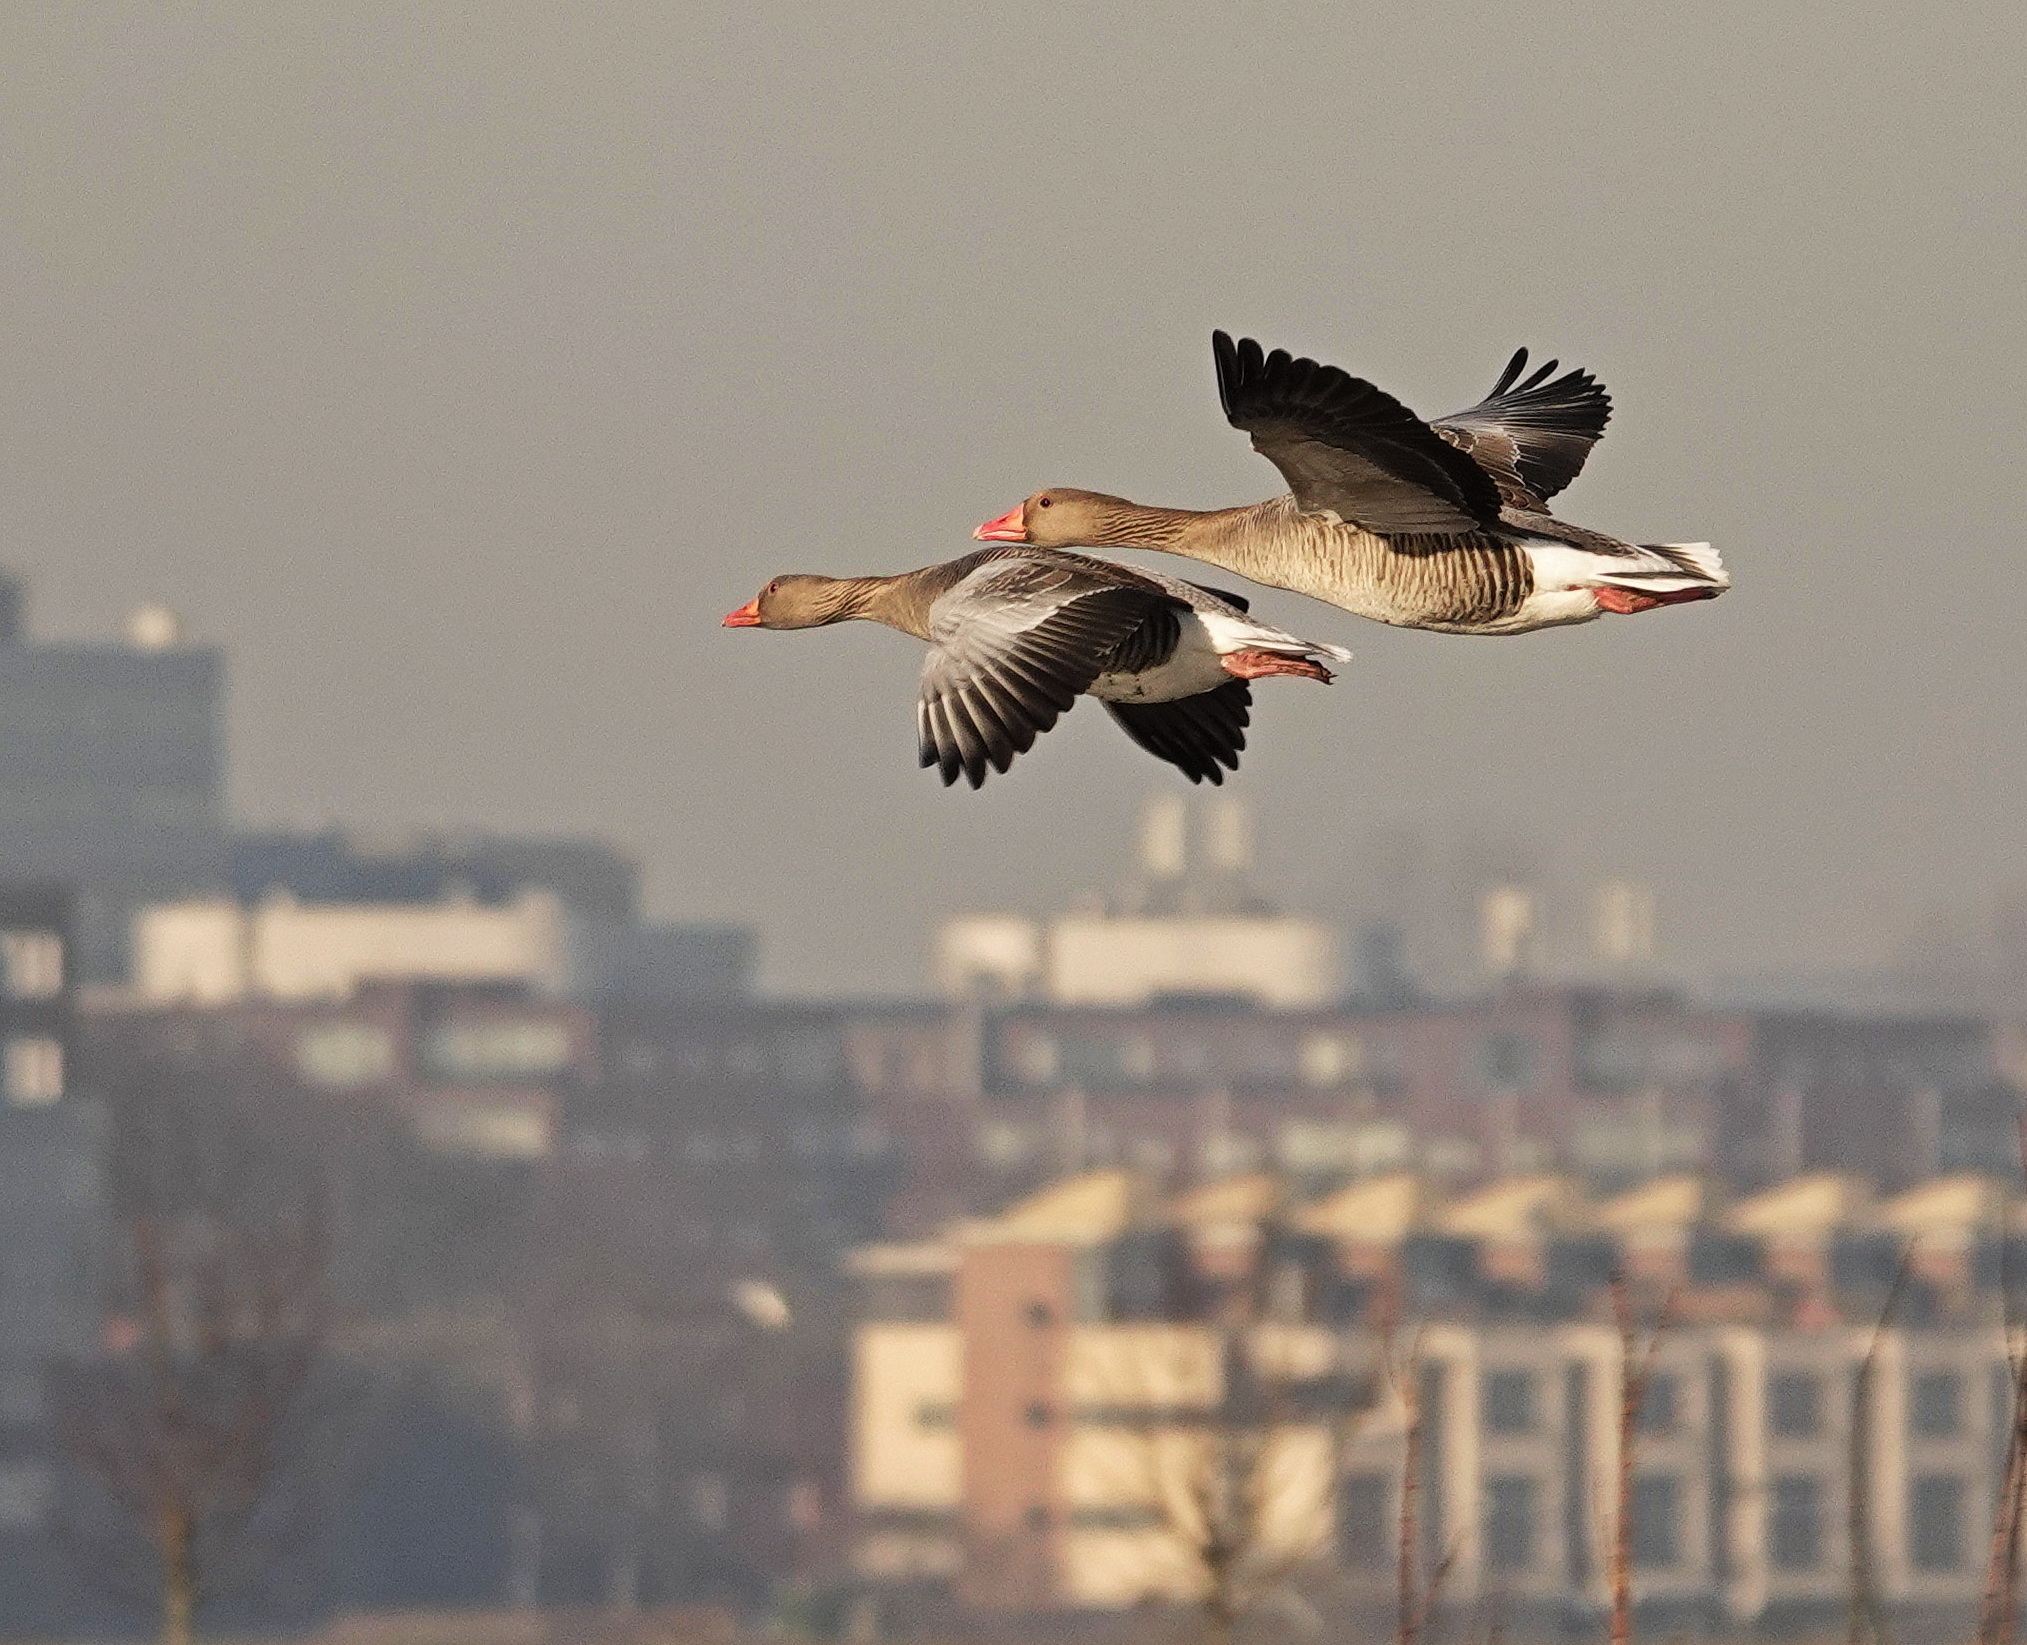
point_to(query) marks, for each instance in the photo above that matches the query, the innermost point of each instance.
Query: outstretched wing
(1348, 448)
(1200, 736)
(1012, 645)
(1532, 437)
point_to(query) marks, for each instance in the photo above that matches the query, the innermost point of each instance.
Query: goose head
(800, 601)
(1061, 517)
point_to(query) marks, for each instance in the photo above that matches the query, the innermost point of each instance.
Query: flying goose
(1441, 525)
(1017, 634)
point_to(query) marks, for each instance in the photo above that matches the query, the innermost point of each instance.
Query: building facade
(1041, 1397)
(51, 1209)
(112, 773)
(1610, 1086)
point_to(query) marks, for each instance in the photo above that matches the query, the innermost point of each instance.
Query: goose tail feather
(1671, 568)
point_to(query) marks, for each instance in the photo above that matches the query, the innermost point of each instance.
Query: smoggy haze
(457, 367)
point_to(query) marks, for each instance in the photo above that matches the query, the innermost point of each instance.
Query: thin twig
(1864, 1622)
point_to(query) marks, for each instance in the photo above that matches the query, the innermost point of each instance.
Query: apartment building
(1037, 1395)
(996, 1099)
(477, 1070)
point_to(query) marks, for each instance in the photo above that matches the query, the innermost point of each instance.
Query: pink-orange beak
(747, 616)
(1010, 527)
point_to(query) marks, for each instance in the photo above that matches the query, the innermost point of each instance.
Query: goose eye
(775, 586)
(1044, 502)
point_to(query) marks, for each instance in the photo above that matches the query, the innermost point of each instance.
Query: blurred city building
(683, 1295)
(475, 1069)
(51, 1210)
(112, 771)
(688, 1329)
(1031, 1390)
(313, 916)
(1608, 1085)
(1190, 924)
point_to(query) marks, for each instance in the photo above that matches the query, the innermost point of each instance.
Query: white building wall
(212, 952)
(193, 952)
(907, 1384)
(1285, 963)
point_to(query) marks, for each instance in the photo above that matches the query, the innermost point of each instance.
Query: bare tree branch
(1865, 1622)
(1636, 1370)
(204, 1427)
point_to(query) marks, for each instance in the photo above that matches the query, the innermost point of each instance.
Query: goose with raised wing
(1016, 635)
(1441, 525)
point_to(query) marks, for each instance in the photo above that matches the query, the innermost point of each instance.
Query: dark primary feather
(1012, 646)
(1533, 435)
(1200, 736)
(1238, 602)
(1349, 448)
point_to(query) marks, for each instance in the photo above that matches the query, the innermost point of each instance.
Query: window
(1506, 1062)
(1935, 1515)
(32, 962)
(1660, 1405)
(1795, 1523)
(343, 1056)
(1222, 1153)
(1509, 1402)
(527, 1048)
(1365, 1529)
(1509, 1522)
(1001, 1146)
(1795, 1404)
(34, 1070)
(1657, 1520)
(1036, 1060)
(1936, 1404)
(1318, 1146)
(1330, 1059)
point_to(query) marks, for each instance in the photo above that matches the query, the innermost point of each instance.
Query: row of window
(1513, 1525)
(1795, 1407)
(1298, 1146)
(1323, 1061)
(348, 1056)
(1498, 1061)
(801, 1057)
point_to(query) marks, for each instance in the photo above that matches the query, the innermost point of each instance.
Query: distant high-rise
(111, 772)
(1508, 930)
(1622, 923)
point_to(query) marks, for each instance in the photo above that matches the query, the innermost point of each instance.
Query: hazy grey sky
(457, 366)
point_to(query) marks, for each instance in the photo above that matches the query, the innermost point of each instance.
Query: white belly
(1546, 608)
(1191, 671)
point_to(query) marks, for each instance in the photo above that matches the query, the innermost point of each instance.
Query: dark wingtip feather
(1514, 367)
(1225, 357)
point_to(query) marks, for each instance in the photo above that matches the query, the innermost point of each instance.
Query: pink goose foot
(1257, 665)
(1625, 602)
